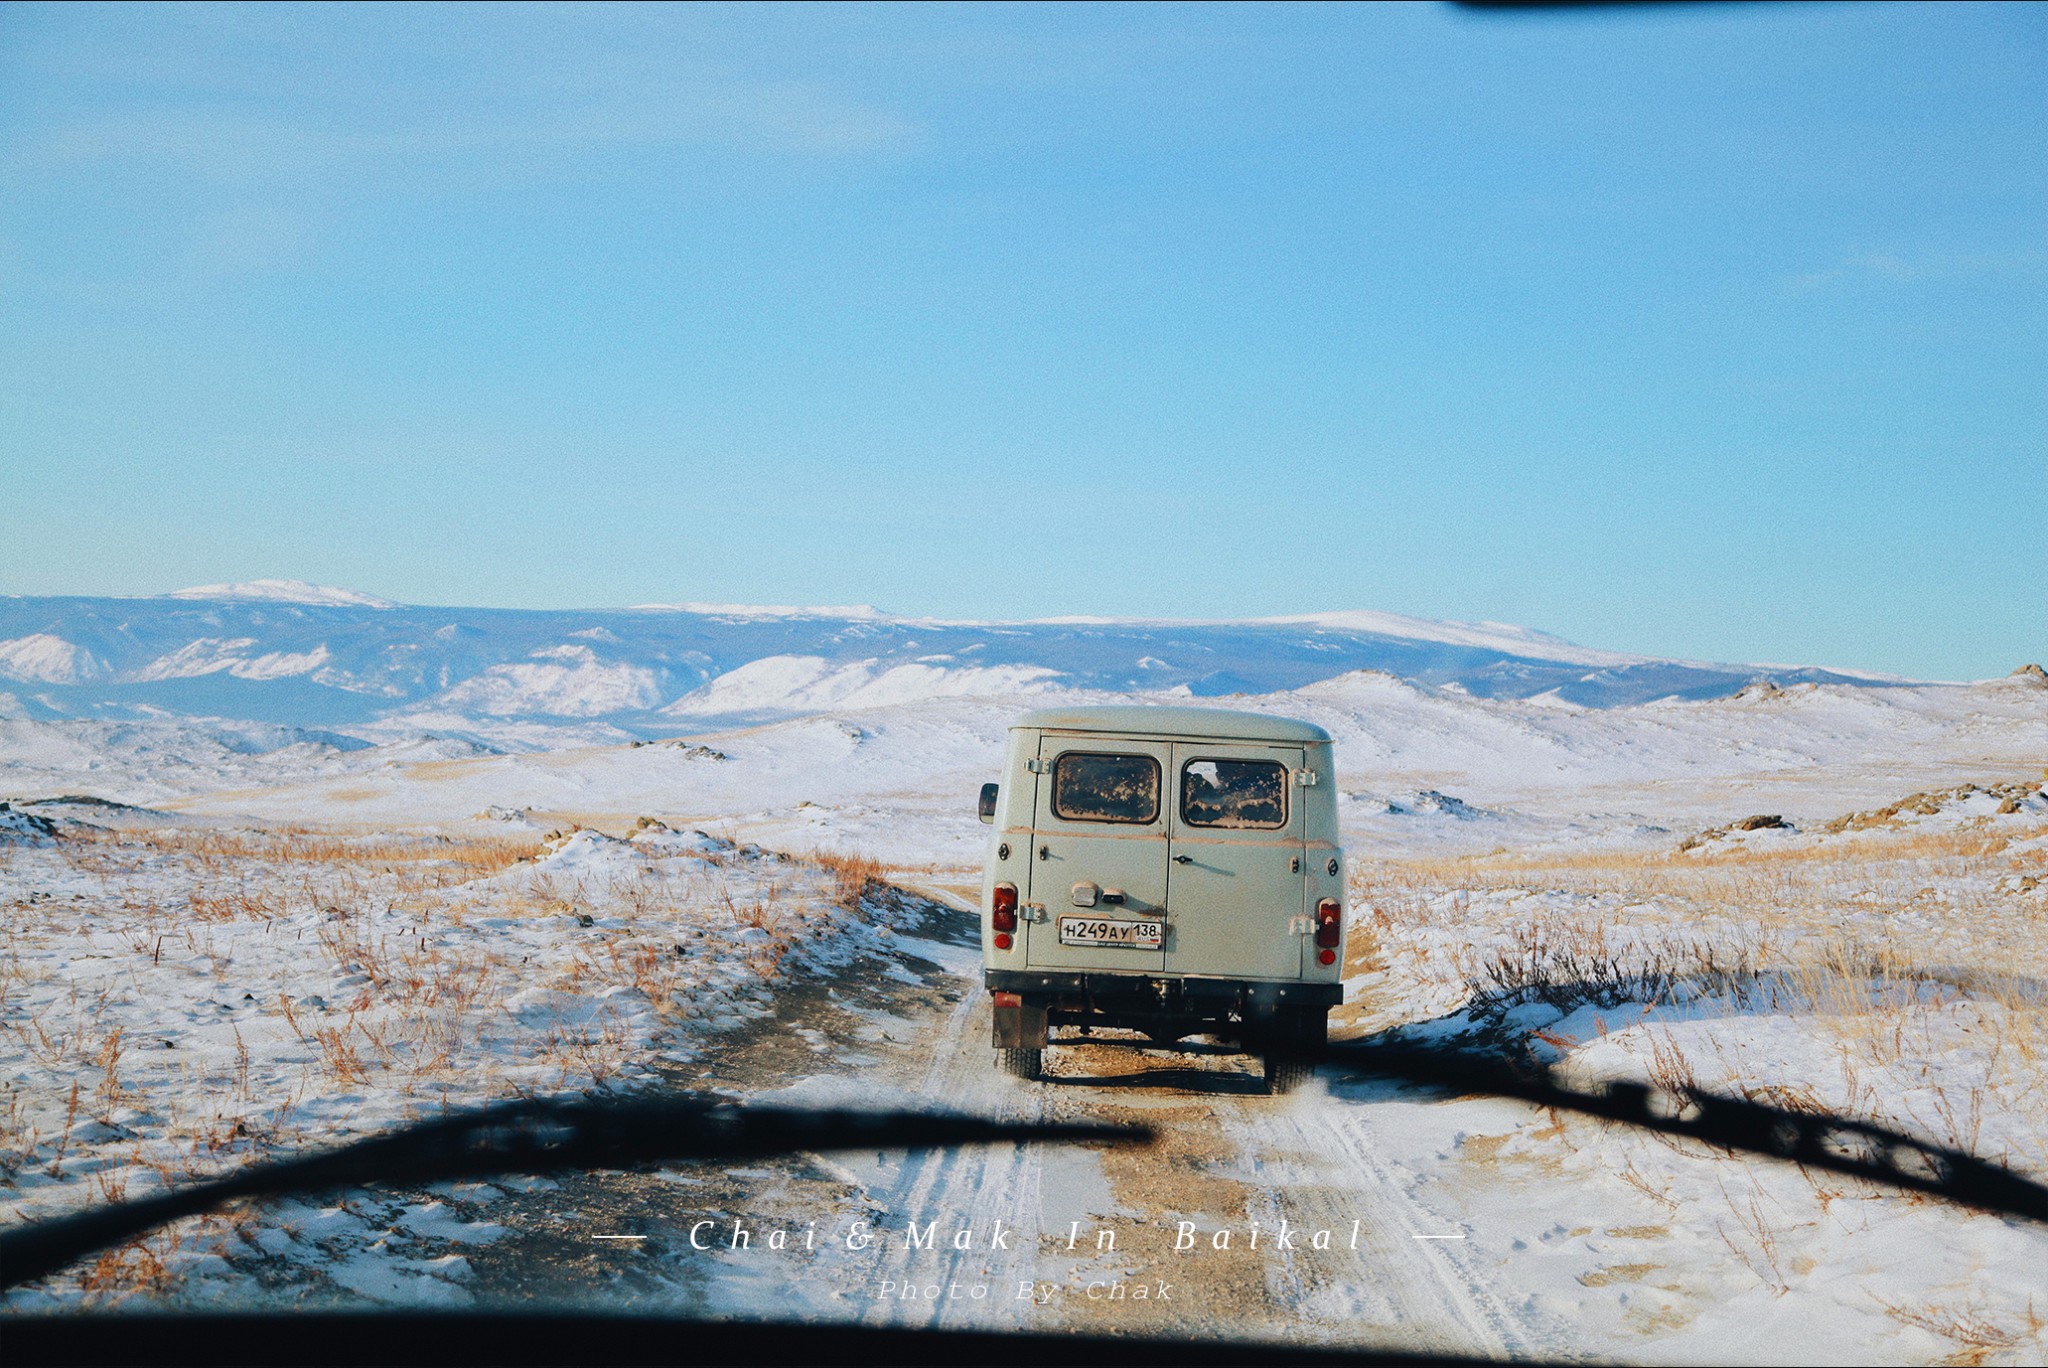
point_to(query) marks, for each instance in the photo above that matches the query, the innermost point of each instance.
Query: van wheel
(1286, 1074)
(1022, 1063)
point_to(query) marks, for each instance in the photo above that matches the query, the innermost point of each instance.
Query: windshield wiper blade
(544, 1136)
(535, 1137)
(1817, 1140)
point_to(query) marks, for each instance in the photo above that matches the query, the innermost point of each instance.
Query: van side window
(1105, 788)
(1234, 793)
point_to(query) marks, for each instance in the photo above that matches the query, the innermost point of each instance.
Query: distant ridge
(283, 591)
(763, 610)
(292, 653)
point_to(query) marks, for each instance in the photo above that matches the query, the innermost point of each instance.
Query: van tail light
(1329, 925)
(1002, 909)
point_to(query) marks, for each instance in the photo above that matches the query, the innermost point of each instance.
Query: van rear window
(1233, 793)
(1105, 788)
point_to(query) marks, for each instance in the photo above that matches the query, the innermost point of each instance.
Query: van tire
(1028, 1064)
(1287, 1074)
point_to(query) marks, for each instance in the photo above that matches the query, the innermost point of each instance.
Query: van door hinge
(1034, 765)
(1305, 778)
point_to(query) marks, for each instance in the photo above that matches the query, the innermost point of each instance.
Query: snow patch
(25, 828)
(568, 681)
(792, 683)
(211, 655)
(44, 659)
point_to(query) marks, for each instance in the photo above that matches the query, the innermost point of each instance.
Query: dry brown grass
(1916, 963)
(1755, 1239)
(1578, 961)
(216, 852)
(19, 1137)
(1894, 949)
(855, 877)
(1970, 1327)
(348, 970)
(138, 1268)
(1826, 890)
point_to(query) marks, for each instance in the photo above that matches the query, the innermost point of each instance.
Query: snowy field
(1827, 896)
(181, 999)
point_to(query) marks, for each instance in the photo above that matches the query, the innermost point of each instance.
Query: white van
(1173, 871)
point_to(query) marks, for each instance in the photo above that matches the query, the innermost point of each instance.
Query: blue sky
(1714, 334)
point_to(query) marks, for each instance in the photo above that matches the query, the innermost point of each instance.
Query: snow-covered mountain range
(283, 651)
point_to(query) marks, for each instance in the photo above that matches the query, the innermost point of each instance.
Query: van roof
(1139, 720)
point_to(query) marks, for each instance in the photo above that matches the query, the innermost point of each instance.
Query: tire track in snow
(1225, 1159)
(1446, 1290)
(1424, 1294)
(972, 1188)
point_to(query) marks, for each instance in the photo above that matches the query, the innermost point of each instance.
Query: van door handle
(1183, 859)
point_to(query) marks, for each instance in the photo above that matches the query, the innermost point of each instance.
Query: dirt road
(1250, 1217)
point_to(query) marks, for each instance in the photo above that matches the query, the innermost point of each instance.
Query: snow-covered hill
(305, 655)
(1420, 769)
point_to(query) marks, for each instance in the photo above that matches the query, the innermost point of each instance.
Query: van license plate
(1139, 935)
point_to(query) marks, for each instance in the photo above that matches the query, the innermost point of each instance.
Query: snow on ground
(1420, 769)
(175, 1001)
(1897, 976)
(564, 681)
(145, 762)
(304, 937)
(811, 683)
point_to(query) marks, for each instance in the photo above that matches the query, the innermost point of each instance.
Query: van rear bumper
(1217, 993)
(1029, 1002)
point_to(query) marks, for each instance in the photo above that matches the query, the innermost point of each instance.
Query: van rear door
(1098, 863)
(1237, 879)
